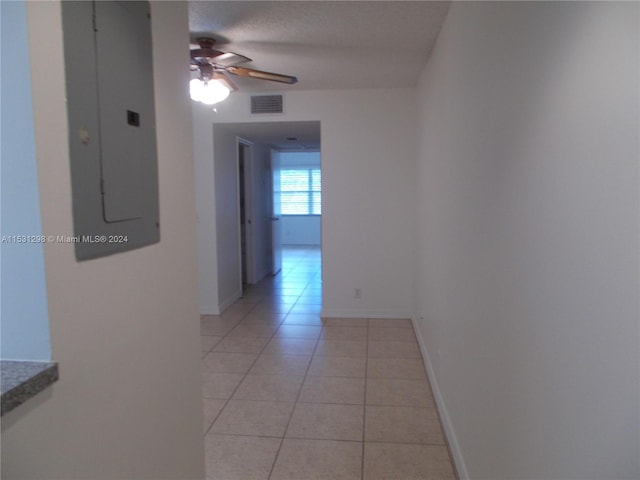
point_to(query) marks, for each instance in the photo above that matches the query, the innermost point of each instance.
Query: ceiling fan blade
(208, 55)
(228, 59)
(260, 75)
(205, 53)
(226, 80)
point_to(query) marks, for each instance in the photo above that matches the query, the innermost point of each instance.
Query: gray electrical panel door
(112, 137)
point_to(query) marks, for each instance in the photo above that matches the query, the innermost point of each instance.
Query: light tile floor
(291, 396)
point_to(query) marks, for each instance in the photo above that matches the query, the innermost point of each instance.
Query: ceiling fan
(214, 85)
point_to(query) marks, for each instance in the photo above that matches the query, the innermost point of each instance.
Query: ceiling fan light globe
(196, 87)
(213, 92)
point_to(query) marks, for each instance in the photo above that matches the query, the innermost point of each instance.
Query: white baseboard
(261, 275)
(447, 426)
(349, 313)
(222, 306)
(226, 303)
(209, 310)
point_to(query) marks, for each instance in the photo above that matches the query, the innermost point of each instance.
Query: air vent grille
(266, 104)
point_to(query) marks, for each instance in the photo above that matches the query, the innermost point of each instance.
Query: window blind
(300, 191)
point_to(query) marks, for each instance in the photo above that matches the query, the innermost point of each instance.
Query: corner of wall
(227, 302)
(447, 425)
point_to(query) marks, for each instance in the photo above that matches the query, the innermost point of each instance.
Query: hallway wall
(366, 176)
(226, 212)
(301, 230)
(124, 328)
(527, 273)
(262, 209)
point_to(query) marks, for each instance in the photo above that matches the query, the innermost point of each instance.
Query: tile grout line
(244, 376)
(364, 403)
(227, 400)
(370, 338)
(295, 403)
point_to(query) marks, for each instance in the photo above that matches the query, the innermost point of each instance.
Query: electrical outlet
(357, 293)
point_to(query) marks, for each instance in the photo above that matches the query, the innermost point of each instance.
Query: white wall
(227, 216)
(206, 218)
(301, 230)
(124, 328)
(365, 184)
(25, 323)
(261, 221)
(527, 253)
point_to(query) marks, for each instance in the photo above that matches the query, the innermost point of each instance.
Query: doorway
(245, 212)
(244, 194)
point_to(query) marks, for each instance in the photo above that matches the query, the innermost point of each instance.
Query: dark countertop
(21, 380)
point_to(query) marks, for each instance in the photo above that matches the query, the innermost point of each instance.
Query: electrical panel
(112, 135)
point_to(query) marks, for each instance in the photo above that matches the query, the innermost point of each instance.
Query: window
(300, 189)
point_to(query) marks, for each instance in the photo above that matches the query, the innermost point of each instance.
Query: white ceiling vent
(266, 104)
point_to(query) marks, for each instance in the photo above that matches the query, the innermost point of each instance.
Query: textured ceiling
(326, 44)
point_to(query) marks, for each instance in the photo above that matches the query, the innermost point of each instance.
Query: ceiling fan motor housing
(206, 72)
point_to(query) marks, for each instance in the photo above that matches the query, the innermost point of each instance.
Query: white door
(276, 228)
